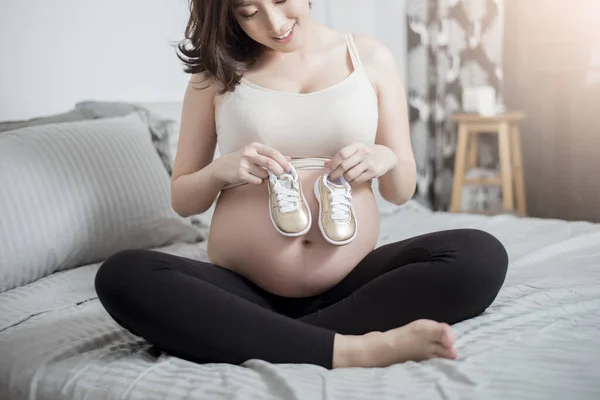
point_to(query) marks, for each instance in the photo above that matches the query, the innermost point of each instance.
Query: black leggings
(205, 313)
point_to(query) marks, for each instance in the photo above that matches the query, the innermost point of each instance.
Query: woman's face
(276, 24)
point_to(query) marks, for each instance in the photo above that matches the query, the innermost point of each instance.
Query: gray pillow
(75, 193)
(161, 128)
(68, 116)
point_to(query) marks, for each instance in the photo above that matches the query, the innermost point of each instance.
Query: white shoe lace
(340, 199)
(286, 191)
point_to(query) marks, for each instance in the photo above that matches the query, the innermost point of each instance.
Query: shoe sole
(341, 243)
(286, 233)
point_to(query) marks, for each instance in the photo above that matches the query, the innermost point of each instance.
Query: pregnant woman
(291, 102)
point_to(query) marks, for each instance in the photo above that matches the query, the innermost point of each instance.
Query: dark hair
(215, 43)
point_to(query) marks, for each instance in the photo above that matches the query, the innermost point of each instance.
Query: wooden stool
(511, 157)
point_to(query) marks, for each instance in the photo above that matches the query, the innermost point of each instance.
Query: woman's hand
(360, 162)
(250, 165)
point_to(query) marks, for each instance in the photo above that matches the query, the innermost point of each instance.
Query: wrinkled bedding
(539, 340)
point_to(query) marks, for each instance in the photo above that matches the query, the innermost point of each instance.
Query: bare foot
(420, 340)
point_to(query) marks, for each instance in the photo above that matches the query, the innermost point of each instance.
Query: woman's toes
(445, 352)
(434, 331)
(447, 337)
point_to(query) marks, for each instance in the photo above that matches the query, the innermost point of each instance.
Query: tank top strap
(353, 51)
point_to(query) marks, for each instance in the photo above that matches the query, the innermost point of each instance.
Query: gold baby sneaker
(287, 205)
(337, 221)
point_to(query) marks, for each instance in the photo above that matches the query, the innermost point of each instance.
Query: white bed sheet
(539, 340)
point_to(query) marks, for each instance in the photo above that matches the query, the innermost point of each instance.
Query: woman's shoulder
(206, 82)
(373, 53)
(377, 59)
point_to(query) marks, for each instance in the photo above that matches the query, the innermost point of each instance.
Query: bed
(538, 340)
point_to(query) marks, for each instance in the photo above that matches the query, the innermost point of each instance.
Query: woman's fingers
(258, 172)
(340, 156)
(345, 165)
(268, 163)
(357, 173)
(364, 177)
(250, 178)
(273, 154)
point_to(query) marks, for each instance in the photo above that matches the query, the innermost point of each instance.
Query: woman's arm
(193, 188)
(397, 185)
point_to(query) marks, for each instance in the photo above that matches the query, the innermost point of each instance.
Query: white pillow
(75, 193)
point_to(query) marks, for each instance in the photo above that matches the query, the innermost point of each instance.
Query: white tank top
(310, 128)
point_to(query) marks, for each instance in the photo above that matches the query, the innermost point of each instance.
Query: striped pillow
(75, 193)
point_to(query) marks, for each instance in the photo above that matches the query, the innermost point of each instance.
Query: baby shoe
(287, 205)
(337, 221)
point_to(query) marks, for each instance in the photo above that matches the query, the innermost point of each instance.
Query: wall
(56, 53)
(390, 29)
(549, 69)
(384, 20)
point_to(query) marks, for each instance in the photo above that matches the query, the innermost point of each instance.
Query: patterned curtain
(452, 44)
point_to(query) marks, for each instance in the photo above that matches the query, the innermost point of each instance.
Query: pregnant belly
(242, 238)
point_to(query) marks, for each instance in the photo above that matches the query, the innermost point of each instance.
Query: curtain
(452, 44)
